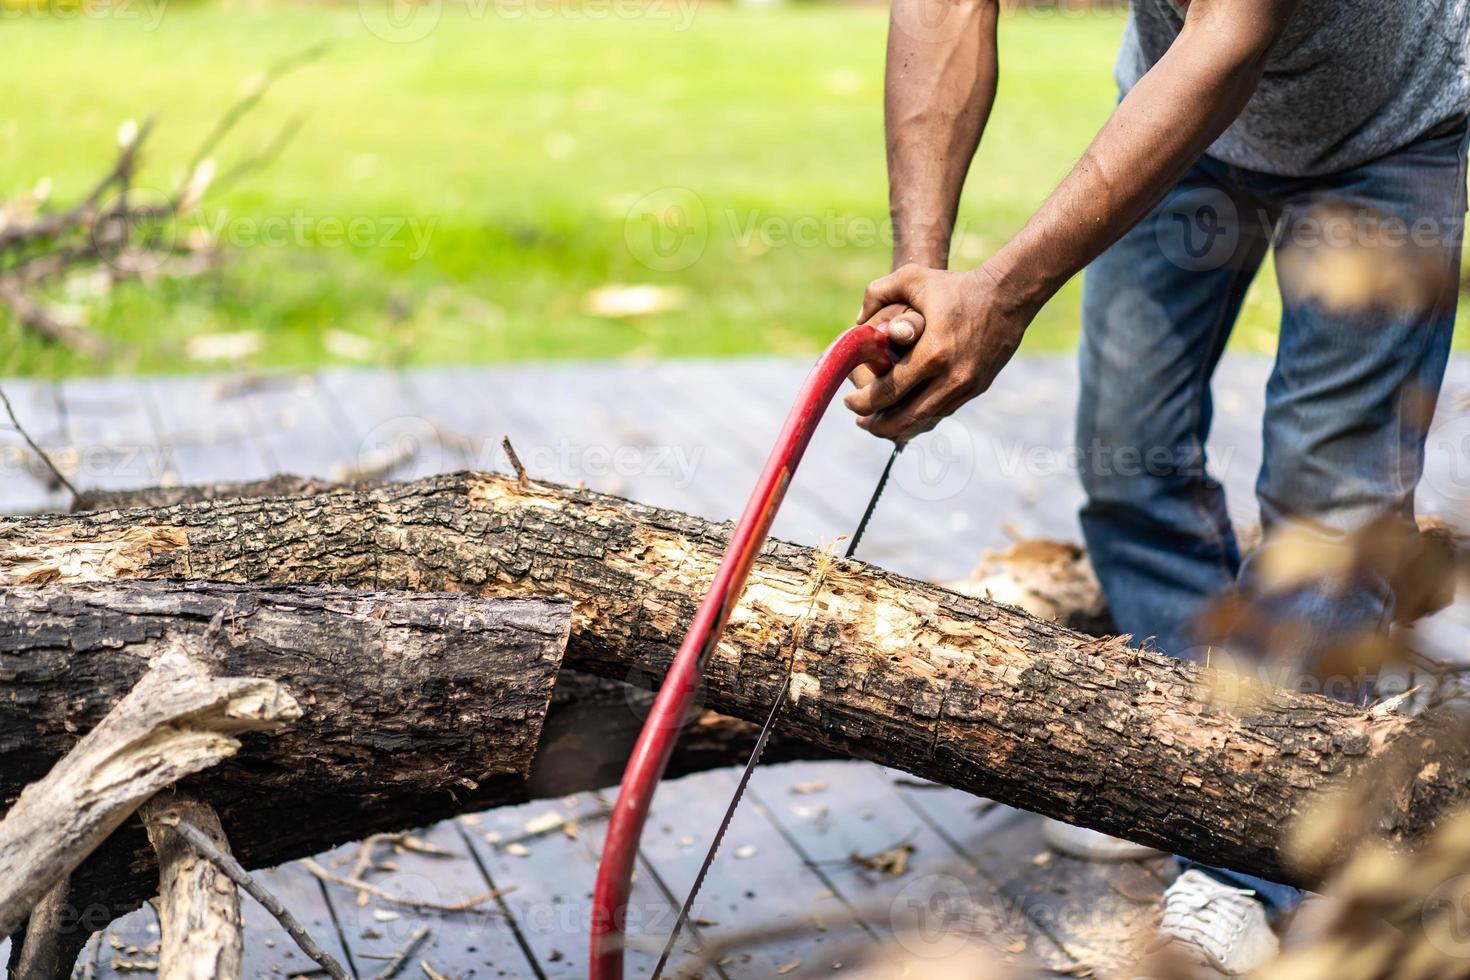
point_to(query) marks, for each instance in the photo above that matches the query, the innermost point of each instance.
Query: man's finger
(880, 423)
(919, 413)
(896, 287)
(887, 390)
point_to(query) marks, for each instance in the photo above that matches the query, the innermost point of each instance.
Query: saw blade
(760, 744)
(873, 500)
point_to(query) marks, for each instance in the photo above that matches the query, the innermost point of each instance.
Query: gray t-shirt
(1348, 80)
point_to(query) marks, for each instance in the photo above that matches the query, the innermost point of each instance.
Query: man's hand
(902, 323)
(969, 326)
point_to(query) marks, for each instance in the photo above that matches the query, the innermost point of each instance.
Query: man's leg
(1157, 309)
(1346, 414)
(1357, 371)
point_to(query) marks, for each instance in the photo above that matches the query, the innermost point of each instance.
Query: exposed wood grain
(199, 906)
(51, 943)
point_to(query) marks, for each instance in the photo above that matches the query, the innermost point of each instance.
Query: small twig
(365, 852)
(236, 873)
(515, 461)
(50, 465)
(261, 159)
(397, 963)
(469, 904)
(55, 224)
(242, 107)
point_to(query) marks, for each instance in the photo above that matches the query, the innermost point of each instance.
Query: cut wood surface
(200, 935)
(948, 687)
(176, 720)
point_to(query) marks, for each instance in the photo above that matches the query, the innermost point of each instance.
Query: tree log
(413, 705)
(176, 721)
(200, 934)
(951, 688)
(406, 697)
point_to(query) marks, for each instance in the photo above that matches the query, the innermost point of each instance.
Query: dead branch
(176, 721)
(232, 869)
(422, 905)
(110, 227)
(200, 934)
(44, 953)
(35, 448)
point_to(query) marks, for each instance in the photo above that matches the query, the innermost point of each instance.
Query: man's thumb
(906, 328)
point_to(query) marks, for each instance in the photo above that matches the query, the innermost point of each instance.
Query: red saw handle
(858, 346)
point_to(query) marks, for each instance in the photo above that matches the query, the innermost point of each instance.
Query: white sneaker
(1090, 845)
(1223, 928)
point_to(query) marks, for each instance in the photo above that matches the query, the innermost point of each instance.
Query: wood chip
(894, 861)
(548, 821)
(517, 849)
(786, 968)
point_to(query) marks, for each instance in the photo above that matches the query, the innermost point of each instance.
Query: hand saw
(861, 345)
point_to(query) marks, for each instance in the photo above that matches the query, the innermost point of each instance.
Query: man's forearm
(1170, 117)
(938, 92)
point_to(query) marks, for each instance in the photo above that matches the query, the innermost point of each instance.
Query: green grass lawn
(500, 169)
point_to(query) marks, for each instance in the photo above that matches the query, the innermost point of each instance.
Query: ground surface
(664, 433)
(458, 197)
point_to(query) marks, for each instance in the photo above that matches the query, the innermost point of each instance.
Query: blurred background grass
(507, 166)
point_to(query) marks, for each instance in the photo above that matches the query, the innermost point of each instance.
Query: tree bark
(412, 705)
(417, 707)
(951, 688)
(175, 721)
(200, 934)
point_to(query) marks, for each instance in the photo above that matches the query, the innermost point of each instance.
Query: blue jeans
(1345, 424)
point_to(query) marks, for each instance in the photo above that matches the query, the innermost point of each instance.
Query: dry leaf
(894, 861)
